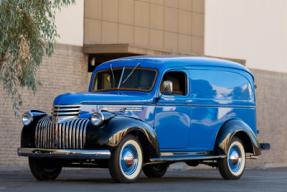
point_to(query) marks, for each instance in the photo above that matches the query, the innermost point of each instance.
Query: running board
(186, 158)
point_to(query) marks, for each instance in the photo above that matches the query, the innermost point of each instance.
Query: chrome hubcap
(128, 159)
(235, 158)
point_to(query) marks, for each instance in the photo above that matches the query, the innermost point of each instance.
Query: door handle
(188, 101)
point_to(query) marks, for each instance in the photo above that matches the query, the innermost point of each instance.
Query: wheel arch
(243, 136)
(238, 128)
(111, 134)
(143, 141)
(147, 139)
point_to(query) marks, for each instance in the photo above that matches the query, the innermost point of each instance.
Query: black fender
(236, 127)
(110, 134)
(28, 132)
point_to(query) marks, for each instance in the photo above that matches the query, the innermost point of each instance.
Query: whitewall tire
(125, 164)
(232, 167)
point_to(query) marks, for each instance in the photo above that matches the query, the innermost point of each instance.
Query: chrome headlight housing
(97, 119)
(27, 118)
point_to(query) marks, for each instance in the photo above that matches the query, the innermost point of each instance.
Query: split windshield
(139, 79)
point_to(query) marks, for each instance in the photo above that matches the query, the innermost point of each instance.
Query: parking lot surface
(190, 180)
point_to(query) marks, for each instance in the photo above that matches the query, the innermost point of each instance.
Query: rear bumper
(64, 153)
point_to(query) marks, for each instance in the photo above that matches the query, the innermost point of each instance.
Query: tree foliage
(27, 33)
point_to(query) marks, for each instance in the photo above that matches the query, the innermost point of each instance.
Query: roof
(164, 62)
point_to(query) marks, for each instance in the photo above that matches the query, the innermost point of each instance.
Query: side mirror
(167, 87)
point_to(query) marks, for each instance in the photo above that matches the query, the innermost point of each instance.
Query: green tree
(27, 33)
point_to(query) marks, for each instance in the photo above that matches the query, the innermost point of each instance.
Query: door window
(178, 80)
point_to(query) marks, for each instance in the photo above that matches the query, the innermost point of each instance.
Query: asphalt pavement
(189, 180)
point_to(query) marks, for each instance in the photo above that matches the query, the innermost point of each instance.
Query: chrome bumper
(64, 153)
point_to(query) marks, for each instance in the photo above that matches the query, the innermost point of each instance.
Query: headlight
(97, 118)
(27, 118)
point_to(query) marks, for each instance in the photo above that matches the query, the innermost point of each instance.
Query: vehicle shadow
(141, 180)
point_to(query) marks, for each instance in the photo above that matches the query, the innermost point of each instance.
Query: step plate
(264, 146)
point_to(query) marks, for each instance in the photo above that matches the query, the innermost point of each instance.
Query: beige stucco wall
(253, 30)
(175, 25)
(70, 24)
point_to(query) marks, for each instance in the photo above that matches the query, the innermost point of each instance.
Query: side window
(212, 84)
(178, 80)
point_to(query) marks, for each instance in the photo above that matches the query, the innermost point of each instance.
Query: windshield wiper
(123, 71)
(113, 74)
(131, 73)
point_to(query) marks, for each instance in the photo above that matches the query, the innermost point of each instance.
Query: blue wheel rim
(129, 164)
(235, 158)
(49, 170)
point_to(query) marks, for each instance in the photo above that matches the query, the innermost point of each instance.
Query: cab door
(172, 119)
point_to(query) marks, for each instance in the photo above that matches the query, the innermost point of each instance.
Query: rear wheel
(232, 167)
(44, 169)
(126, 161)
(157, 170)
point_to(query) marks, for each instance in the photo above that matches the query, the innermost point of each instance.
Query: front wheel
(126, 161)
(232, 167)
(44, 169)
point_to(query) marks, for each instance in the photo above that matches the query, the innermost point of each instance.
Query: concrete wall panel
(160, 24)
(93, 32)
(156, 17)
(110, 10)
(109, 32)
(126, 12)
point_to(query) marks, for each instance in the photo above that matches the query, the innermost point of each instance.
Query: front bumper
(64, 153)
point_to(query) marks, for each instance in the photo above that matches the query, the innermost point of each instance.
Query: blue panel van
(144, 113)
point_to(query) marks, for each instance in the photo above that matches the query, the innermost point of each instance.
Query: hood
(102, 98)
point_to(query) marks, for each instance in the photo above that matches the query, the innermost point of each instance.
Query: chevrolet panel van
(144, 113)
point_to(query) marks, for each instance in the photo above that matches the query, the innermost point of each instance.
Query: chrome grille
(66, 110)
(68, 135)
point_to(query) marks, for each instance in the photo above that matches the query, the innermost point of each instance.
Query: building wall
(271, 116)
(65, 71)
(253, 30)
(256, 31)
(70, 24)
(175, 25)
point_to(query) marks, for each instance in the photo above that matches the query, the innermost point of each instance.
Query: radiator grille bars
(68, 135)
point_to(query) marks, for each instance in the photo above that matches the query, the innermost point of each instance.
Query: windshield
(141, 79)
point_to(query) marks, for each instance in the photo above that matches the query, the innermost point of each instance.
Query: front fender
(236, 127)
(114, 130)
(28, 132)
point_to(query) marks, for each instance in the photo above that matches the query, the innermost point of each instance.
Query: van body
(146, 112)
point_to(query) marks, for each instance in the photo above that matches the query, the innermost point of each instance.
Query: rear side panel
(206, 122)
(218, 95)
